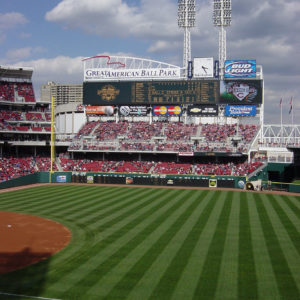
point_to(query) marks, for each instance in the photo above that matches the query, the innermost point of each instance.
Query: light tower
(222, 19)
(186, 20)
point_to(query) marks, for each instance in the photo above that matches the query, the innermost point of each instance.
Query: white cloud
(115, 18)
(9, 21)
(21, 53)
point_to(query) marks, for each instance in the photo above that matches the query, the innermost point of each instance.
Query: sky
(53, 37)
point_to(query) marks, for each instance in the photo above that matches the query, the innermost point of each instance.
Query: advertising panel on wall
(240, 110)
(131, 110)
(151, 92)
(167, 110)
(240, 69)
(61, 178)
(203, 67)
(216, 69)
(240, 91)
(202, 110)
(99, 110)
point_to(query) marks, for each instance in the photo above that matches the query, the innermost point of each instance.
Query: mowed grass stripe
(247, 284)
(151, 276)
(80, 258)
(90, 204)
(292, 215)
(188, 282)
(129, 269)
(48, 201)
(166, 235)
(124, 207)
(284, 231)
(293, 205)
(266, 281)
(185, 267)
(208, 280)
(169, 278)
(227, 287)
(63, 202)
(104, 202)
(15, 200)
(86, 202)
(96, 271)
(285, 280)
(286, 222)
(150, 206)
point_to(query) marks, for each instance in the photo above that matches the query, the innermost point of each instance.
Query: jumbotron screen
(151, 92)
(173, 92)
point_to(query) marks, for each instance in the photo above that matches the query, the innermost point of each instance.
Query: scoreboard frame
(173, 92)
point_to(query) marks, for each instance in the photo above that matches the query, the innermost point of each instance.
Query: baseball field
(158, 243)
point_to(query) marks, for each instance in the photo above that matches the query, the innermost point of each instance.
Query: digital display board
(241, 91)
(151, 92)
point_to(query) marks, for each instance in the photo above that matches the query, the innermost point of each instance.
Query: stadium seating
(163, 137)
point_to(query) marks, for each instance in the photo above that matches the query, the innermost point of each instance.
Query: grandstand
(24, 122)
(139, 116)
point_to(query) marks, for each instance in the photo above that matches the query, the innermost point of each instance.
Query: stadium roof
(15, 73)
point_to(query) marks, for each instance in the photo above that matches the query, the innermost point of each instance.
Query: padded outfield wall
(127, 178)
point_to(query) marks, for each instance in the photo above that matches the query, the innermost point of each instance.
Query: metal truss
(280, 136)
(123, 62)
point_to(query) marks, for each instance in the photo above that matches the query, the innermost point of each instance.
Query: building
(62, 93)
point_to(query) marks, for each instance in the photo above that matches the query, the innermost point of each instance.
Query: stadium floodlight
(186, 20)
(222, 19)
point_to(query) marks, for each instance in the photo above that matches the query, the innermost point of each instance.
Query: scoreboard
(151, 92)
(175, 92)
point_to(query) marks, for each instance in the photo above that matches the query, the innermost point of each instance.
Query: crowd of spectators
(16, 91)
(11, 167)
(165, 137)
(15, 167)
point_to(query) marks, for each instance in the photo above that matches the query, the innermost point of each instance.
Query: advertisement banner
(240, 110)
(61, 178)
(216, 69)
(202, 110)
(99, 110)
(213, 183)
(90, 179)
(203, 67)
(185, 153)
(97, 74)
(133, 110)
(240, 68)
(241, 92)
(167, 110)
(190, 70)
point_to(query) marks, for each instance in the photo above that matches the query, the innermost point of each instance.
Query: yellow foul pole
(52, 143)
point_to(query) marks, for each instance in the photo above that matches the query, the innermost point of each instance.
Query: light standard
(186, 20)
(222, 19)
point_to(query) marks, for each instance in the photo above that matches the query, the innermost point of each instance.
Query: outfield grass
(144, 243)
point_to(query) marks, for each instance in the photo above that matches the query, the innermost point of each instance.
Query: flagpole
(281, 129)
(292, 111)
(293, 119)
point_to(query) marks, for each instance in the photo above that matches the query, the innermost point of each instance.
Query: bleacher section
(16, 92)
(163, 137)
